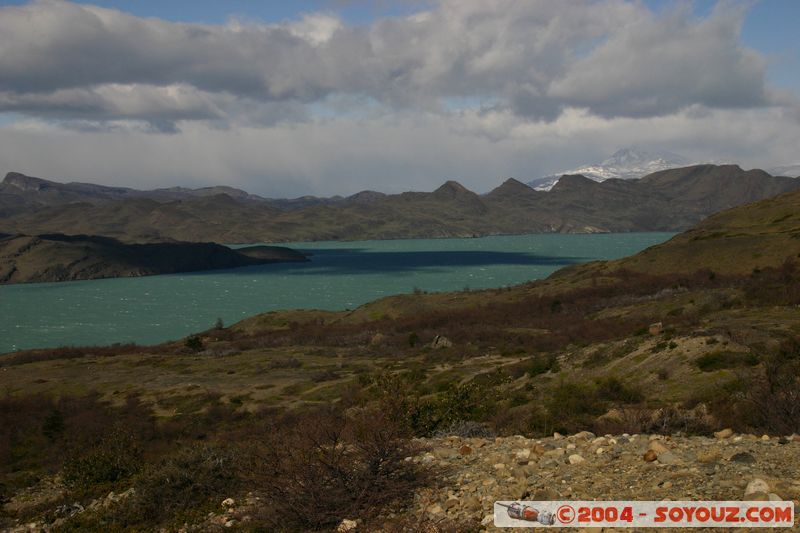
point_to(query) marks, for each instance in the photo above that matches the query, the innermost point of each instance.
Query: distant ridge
(57, 257)
(668, 200)
(626, 163)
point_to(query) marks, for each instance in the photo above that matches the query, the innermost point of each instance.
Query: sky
(336, 96)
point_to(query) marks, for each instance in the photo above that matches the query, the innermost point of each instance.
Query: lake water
(341, 275)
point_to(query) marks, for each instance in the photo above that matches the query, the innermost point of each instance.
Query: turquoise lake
(341, 275)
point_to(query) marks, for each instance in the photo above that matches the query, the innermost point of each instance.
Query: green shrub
(541, 364)
(194, 343)
(615, 390)
(116, 457)
(721, 359)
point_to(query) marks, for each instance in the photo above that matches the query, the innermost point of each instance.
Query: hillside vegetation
(304, 405)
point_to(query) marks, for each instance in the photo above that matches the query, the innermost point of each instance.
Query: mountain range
(626, 163)
(669, 200)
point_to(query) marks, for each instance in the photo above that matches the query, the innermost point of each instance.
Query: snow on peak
(626, 163)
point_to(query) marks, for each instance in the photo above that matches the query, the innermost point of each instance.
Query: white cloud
(389, 152)
(536, 57)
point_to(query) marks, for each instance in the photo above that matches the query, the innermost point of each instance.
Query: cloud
(535, 58)
(391, 152)
(472, 90)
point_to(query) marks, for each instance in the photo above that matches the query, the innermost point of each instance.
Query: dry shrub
(775, 396)
(322, 466)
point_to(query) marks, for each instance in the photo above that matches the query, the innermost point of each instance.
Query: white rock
(523, 454)
(487, 520)
(228, 502)
(757, 485)
(346, 526)
(575, 459)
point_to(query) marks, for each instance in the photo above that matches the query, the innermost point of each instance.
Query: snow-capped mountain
(627, 163)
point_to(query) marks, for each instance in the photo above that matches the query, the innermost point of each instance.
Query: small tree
(195, 343)
(219, 324)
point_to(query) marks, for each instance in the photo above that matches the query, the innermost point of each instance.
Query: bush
(323, 466)
(720, 359)
(615, 390)
(194, 343)
(466, 429)
(180, 487)
(288, 362)
(573, 406)
(116, 457)
(456, 403)
(775, 396)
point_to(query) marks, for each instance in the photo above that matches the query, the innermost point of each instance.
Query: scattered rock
(657, 447)
(441, 342)
(575, 459)
(724, 434)
(346, 526)
(668, 458)
(755, 487)
(742, 457)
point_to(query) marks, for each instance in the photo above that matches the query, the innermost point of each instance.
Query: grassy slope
(490, 329)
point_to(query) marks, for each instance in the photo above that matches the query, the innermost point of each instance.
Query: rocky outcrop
(479, 471)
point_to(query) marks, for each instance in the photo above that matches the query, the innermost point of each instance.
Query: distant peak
(452, 188)
(24, 182)
(572, 181)
(511, 186)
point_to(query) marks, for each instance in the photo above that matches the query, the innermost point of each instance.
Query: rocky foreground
(479, 471)
(476, 472)
(588, 467)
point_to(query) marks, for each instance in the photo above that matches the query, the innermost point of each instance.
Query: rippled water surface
(341, 275)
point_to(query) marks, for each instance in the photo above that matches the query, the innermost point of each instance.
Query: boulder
(441, 342)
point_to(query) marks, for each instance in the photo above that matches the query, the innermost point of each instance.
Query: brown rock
(724, 434)
(650, 456)
(465, 450)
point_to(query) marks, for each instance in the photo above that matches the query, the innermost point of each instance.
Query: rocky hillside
(57, 257)
(671, 200)
(480, 471)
